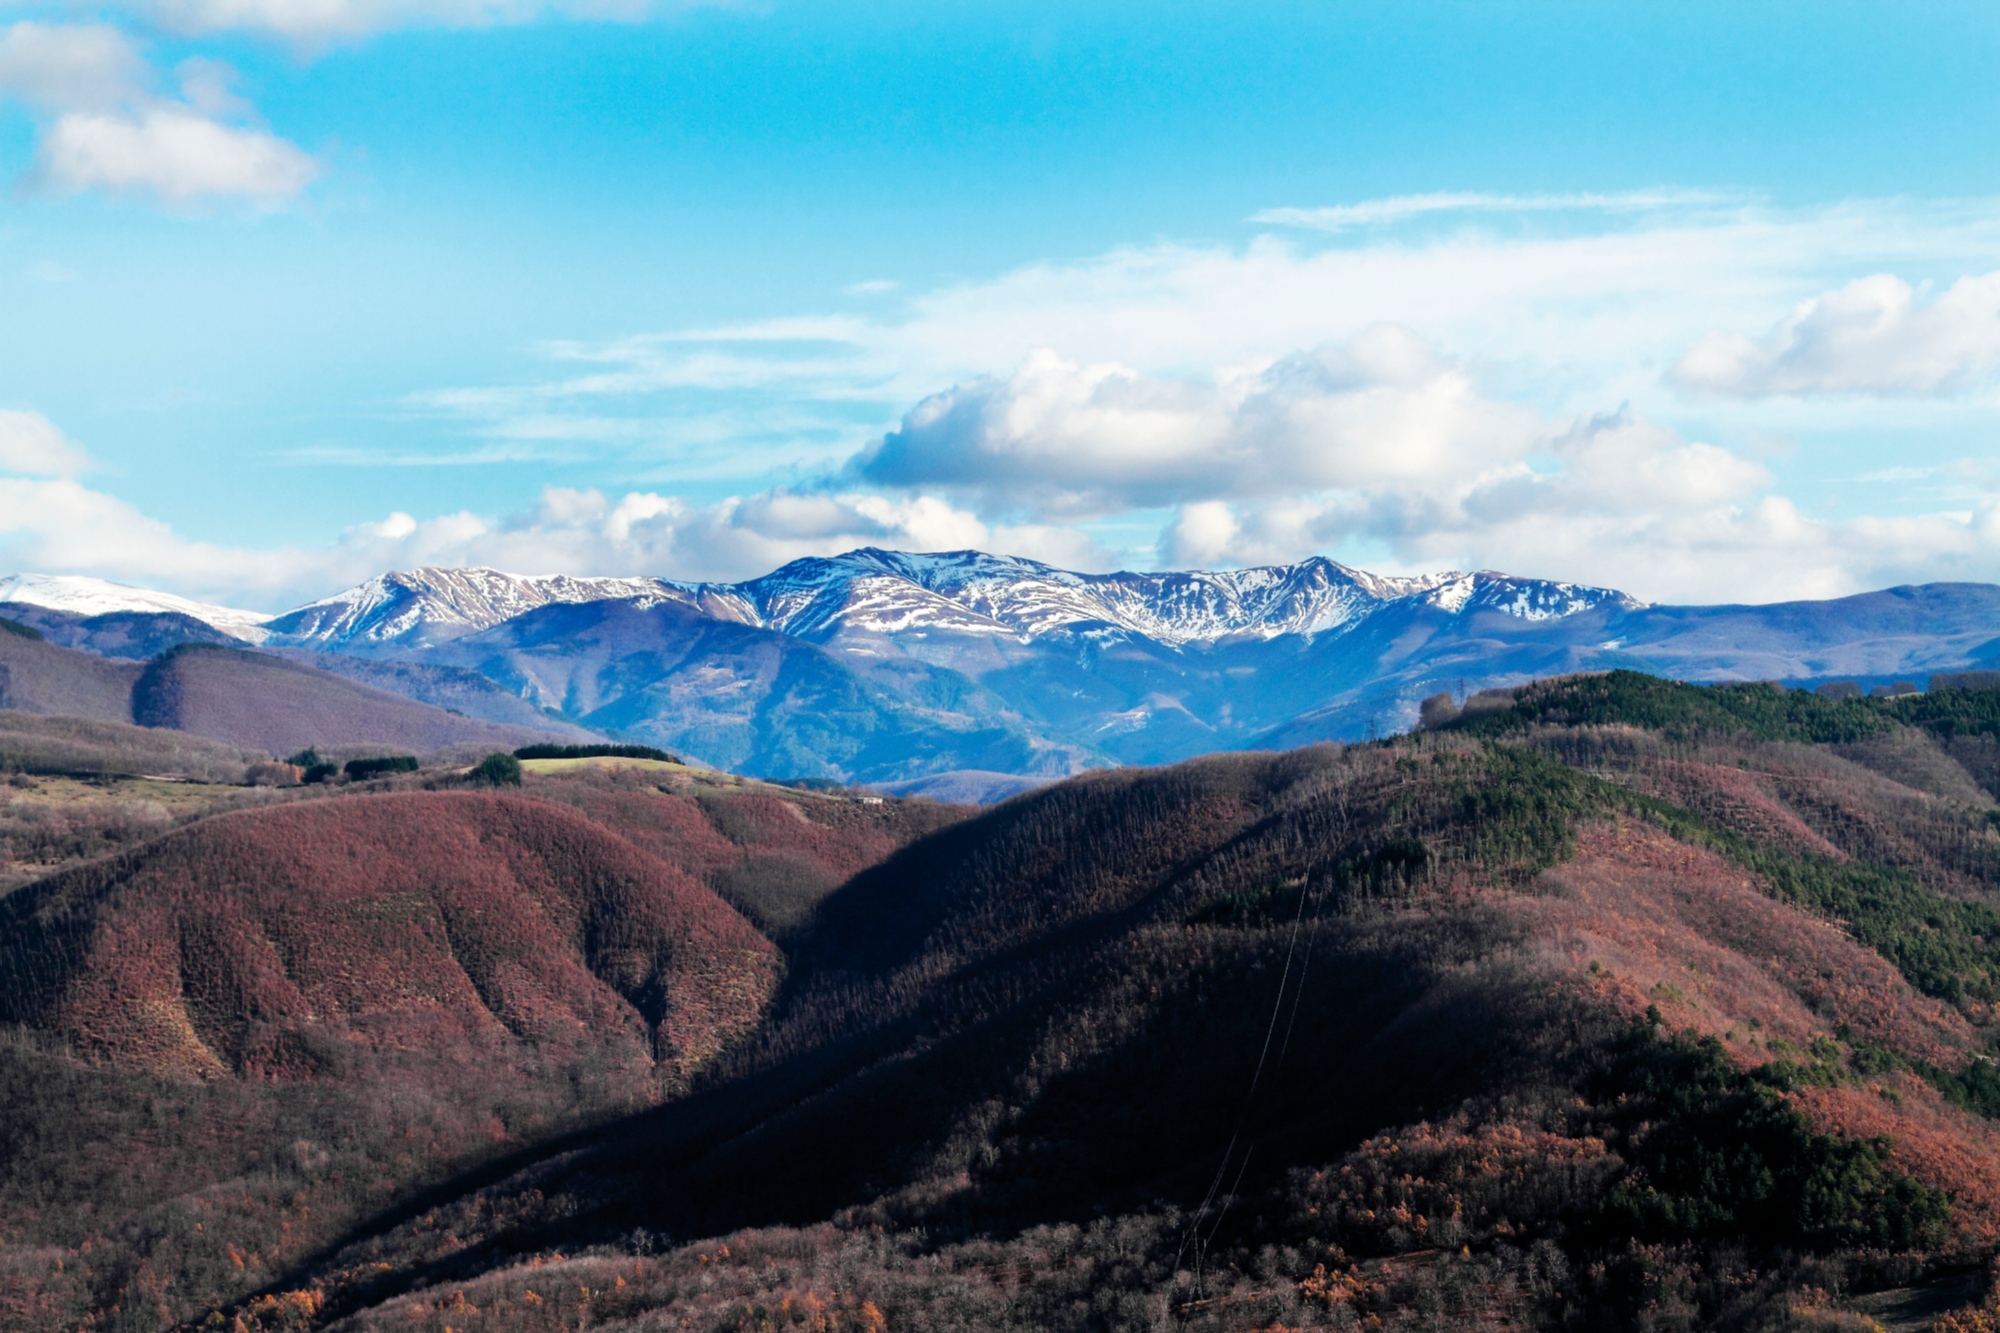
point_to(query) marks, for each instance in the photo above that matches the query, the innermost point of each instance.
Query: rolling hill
(225, 1047)
(287, 942)
(124, 635)
(37, 676)
(250, 699)
(1620, 993)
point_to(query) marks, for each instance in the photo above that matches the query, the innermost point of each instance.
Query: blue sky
(1684, 299)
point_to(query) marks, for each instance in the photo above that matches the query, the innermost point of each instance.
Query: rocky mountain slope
(970, 662)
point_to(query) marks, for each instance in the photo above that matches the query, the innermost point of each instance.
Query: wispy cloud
(1402, 207)
(485, 456)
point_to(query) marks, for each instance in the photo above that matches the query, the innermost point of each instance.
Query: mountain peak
(431, 604)
(81, 595)
(868, 591)
(871, 591)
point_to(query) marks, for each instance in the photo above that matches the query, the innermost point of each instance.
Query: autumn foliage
(1619, 1004)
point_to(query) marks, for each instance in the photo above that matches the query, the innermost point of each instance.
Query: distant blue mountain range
(888, 666)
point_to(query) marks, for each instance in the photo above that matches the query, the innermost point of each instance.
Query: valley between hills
(1605, 1002)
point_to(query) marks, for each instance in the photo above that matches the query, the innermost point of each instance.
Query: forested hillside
(226, 1046)
(1610, 1003)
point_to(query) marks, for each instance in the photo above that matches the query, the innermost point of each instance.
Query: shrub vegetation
(360, 770)
(594, 752)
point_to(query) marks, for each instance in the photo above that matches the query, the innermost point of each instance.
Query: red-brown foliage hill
(282, 942)
(773, 854)
(1088, 1001)
(1282, 1041)
(255, 699)
(410, 985)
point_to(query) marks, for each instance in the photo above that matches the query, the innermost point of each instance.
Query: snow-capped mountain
(886, 665)
(428, 606)
(81, 596)
(960, 592)
(884, 592)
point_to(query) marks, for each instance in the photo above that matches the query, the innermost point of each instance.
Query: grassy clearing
(604, 761)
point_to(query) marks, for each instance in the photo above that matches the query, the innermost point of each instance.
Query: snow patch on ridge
(890, 593)
(79, 595)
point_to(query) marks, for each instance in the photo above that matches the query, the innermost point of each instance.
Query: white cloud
(30, 443)
(1615, 500)
(1451, 411)
(50, 522)
(179, 155)
(82, 67)
(105, 129)
(1207, 534)
(1384, 444)
(1066, 440)
(1621, 502)
(1401, 208)
(1874, 335)
(1434, 425)
(1566, 323)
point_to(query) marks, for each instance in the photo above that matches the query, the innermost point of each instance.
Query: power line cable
(1192, 1238)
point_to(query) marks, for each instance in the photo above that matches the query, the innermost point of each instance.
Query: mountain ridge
(807, 597)
(86, 596)
(888, 666)
(955, 591)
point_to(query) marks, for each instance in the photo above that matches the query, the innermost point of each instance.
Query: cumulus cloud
(1070, 440)
(587, 531)
(1384, 444)
(30, 443)
(1617, 500)
(1875, 335)
(1469, 432)
(70, 67)
(1567, 324)
(105, 129)
(177, 154)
